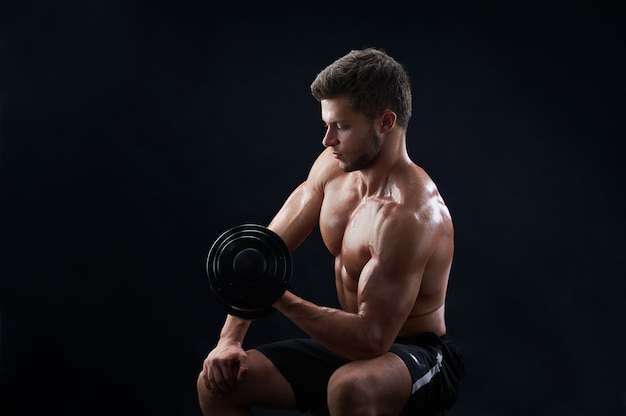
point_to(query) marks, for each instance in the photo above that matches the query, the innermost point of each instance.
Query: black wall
(133, 133)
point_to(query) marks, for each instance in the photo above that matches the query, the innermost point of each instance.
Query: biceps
(387, 296)
(385, 302)
(298, 215)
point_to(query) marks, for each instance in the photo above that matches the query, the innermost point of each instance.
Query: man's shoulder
(325, 168)
(418, 202)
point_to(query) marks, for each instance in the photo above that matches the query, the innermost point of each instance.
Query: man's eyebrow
(338, 121)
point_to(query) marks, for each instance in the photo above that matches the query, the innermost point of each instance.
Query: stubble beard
(368, 156)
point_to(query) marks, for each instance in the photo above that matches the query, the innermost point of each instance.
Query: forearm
(343, 332)
(234, 329)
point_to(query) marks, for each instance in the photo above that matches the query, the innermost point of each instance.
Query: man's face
(355, 143)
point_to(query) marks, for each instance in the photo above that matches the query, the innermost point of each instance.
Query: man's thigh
(385, 380)
(264, 385)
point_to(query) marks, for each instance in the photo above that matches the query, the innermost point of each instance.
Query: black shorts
(435, 364)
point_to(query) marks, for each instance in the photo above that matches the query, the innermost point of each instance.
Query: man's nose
(330, 138)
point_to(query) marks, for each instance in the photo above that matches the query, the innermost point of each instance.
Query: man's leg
(380, 386)
(263, 386)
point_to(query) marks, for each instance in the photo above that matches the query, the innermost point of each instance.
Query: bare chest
(346, 225)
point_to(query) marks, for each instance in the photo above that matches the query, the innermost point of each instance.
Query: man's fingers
(224, 377)
(242, 369)
(208, 378)
(212, 377)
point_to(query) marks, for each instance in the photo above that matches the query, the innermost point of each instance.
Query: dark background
(133, 133)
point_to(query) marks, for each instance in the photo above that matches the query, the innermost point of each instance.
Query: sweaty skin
(391, 235)
(389, 230)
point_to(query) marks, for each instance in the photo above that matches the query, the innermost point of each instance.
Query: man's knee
(347, 392)
(210, 403)
(234, 403)
(205, 397)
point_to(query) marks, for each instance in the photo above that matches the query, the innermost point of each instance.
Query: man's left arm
(400, 245)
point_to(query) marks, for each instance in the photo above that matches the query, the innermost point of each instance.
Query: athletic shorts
(435, 365)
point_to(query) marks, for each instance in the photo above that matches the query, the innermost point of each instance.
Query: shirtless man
(385, 352)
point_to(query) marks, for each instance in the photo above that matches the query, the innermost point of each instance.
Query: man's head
(371, 80)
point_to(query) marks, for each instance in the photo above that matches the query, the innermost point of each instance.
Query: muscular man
(385, 352)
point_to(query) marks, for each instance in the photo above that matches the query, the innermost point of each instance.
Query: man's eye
(338, 127)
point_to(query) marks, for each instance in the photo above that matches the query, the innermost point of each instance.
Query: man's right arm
(227, 362)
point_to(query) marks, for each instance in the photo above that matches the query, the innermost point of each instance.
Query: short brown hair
(371, 80)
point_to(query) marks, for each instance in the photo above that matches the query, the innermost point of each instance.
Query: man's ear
(387, 121)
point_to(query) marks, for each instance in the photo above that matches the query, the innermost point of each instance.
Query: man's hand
(224, 367)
